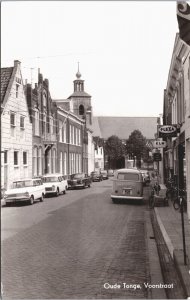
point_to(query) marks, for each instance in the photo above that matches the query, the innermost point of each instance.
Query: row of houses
(176, 111)
(40, 135)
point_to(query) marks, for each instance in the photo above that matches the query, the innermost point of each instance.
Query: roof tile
(5, 78)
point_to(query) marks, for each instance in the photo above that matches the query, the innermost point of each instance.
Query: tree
(136, 146)
(114, 149)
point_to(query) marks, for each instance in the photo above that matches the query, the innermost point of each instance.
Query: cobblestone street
(78, 243)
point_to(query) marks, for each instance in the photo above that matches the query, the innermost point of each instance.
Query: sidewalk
(170, 224)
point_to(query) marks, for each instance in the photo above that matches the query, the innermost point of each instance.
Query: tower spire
(78, 74)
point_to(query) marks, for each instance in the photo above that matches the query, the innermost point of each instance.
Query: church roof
(5, 78)
(79, 94)
(124, 126)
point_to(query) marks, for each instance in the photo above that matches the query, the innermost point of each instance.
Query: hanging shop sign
(157, 156)
(167, 131)
(159, 144)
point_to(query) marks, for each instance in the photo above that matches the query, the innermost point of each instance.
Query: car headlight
(53, 187)
(5, 196)
(26, 194)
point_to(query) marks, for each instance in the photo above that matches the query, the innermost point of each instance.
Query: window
(128, 176)
(15, 158)
(17, 88)
(60, 131)
(61, 162)
(35, 161)
(12, 119)
(5, 157)
(40, 161)
(21, 122)
(81, 110)
(25, 158)
(51, 125)
(65, 163)
(36, 124)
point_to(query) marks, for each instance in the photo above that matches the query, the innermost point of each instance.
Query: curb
(177, 256)
(154, 268)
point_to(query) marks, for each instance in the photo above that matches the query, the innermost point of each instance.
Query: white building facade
(16, 128)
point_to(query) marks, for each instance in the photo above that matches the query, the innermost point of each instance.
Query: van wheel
(31, 201)
(64, 191)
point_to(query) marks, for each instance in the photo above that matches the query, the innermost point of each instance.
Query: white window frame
(16, 165)
(25, 164)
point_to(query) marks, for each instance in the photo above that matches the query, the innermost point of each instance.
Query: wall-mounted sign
(157, 156)
(159, 144)
(167, 131)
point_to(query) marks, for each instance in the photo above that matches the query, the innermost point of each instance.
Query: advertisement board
(167, 131)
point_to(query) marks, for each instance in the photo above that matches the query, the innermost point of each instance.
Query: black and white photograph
(95, 150)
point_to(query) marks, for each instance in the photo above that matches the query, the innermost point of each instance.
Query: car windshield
(22, 184)
(128, 176)
(50, 179)
(76, 176)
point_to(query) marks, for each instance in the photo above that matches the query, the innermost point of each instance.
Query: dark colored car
(79, 180)
(104, 174)
(96, 176)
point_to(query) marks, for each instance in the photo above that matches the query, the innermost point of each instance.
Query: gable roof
(124, 126)
(5, 78)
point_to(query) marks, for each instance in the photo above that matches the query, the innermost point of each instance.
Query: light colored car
(127, 184)
(28, 190)
(104, 174)
(55, 184)
(145, 176)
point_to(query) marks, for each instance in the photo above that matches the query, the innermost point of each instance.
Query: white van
(127, 184)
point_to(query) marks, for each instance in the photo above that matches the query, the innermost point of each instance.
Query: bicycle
(172, 190)
(155, 190)
(180, 200)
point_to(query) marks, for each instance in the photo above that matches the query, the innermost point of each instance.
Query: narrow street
(75, 246)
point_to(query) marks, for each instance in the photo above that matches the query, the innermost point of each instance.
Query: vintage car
(79, 180)
(145, 176)
(28, 190)
(110, 173)
(104, 174)
(96, 176)
(127, 184)
(55, 184)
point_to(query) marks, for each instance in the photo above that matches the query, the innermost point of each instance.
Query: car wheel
(42, 198)
(57, 193)
(64, 191)
(89, 185)
(31, 201)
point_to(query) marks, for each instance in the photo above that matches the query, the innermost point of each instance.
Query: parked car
(145, 176)
(104, 174)
(55, 184)
(110, 173)
(96, 176)
(28, 190)
(127, 184)
(79, 180)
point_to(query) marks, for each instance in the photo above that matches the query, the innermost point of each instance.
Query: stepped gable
(124, 126)
(5, 78)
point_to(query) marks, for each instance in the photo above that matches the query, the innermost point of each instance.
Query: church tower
(81, 101)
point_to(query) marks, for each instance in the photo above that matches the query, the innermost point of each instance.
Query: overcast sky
(124, 49)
